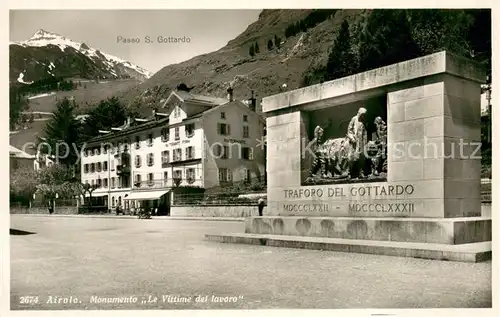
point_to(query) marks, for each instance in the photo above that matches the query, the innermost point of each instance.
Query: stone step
(472, 252)
(418, 230)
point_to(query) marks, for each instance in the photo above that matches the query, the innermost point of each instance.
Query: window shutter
(250, 154)
(229, 175)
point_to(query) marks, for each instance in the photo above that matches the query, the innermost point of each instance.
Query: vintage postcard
(174, 159)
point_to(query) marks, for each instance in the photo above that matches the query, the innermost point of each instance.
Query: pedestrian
(51, 207)
(261, 206)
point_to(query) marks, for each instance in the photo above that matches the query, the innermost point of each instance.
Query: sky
(207, 31)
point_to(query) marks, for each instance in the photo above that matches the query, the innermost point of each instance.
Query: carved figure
(379, 160)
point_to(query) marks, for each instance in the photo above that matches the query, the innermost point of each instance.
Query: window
(225, 153)
(223, 115)
(165, 135)
(150, 139)
(112, 201)
(246, 153)
(177, 137)
(138, 162)
(99, 182)
(97, 151)
(223, 129)
(105, 149)
(189, 153)
(177, 175)
(120, 201)
(92, 167)
(99, 166)
(245, 118)
(150, 179)
(165, 158)
(112, 167)
(91, 152)
(190, 175)
(125, 182)
(217, 150)
(248, 176)
(105, 166)
(165, 178)
(138, 180)
(177, 155)
(177, 112)
(92, 182)
(86, 153)
(113, 183)
(86, 168)
(137, 142)
(151, 160)
(246, 131)
(189, 128)
(224, 175)
(106, 182)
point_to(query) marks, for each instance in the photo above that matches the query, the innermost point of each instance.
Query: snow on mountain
(44, 38)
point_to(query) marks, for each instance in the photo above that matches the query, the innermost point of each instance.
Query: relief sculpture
(352, 157)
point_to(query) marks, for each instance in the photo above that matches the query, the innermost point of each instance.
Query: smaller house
(20, 159)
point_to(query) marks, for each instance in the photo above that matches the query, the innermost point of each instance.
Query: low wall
(215, 211)
(44, 210)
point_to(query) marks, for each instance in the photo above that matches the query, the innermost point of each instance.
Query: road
(166, 264)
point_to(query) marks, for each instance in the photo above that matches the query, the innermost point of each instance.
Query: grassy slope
(93, 93)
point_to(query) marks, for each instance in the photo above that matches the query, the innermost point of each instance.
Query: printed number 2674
(28, 300)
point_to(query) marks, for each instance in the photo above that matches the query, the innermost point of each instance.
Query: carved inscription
(356, 199)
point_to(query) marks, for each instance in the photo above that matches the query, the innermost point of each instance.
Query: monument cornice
(376, 81)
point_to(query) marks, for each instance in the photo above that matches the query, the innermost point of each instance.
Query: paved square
(90, 260)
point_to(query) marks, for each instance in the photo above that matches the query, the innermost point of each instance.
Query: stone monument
(383, 162)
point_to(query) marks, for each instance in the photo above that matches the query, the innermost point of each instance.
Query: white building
(193, 142)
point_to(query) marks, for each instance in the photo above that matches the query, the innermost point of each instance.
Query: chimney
(252, 103)
(230, 94)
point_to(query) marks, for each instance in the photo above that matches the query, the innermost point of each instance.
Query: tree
(270, 45)
(257, 50)
(17, 104)
(385, 39)
(23, 184)
(108, 113)
(251, 51)
(62, 134)
(57, 181)
(341, 60)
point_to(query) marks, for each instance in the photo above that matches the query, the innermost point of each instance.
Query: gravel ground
(92, 263)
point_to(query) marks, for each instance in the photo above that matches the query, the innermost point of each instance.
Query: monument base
(454, 239)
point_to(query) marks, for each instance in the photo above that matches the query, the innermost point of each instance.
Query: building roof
(195, 98)
(15, 152)
(128, 129)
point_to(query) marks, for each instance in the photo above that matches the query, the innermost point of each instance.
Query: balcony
(150, 184)
(123, 170)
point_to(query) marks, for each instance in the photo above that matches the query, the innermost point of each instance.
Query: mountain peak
(43, 34)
